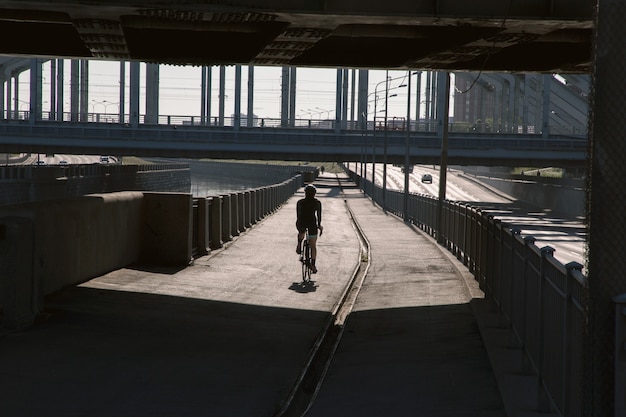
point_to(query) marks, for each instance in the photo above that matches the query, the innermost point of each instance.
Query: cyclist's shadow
(303, 287)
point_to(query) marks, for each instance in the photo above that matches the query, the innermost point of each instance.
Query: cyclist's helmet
(310, 190)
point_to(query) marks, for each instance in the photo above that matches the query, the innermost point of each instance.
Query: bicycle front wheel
(306, 262)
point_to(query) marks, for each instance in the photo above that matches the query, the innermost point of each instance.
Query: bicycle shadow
(303, 287)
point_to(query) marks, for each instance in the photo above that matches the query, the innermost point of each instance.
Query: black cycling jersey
(309, 214)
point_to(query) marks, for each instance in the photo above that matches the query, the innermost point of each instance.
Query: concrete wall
(166, 233)
(46, 246)
(23, 184)
(49, 245)
(564, 196)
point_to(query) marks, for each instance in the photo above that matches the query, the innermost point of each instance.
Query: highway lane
(565, 235)
(69, 159)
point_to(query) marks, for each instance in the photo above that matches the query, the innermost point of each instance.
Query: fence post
(241, 210)
(226, 218)
(234, 215)
(543, 402)
(247, 207)
(215, 223)
(526, 363)
(203, 241)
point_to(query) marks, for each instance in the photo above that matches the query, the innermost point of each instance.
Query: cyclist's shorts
(312, 229)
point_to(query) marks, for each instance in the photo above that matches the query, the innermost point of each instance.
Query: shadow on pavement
(109, 353)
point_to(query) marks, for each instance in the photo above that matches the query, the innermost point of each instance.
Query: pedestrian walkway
(231, 334)
(411, 347)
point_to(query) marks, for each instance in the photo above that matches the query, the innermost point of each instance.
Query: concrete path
(411, 347)
(231, 334)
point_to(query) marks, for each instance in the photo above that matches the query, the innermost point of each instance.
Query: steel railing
(543, 301)
(394, 124)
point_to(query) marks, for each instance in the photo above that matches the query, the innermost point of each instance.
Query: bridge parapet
(291, 143)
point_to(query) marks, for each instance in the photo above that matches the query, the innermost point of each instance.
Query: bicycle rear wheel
(306, 262)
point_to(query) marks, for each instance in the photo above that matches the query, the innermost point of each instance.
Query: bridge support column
(606, 205)
(19, 291)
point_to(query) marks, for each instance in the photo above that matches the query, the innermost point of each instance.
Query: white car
(427, 178)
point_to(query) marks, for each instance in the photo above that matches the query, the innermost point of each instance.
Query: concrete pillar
(222, 95)
(203, 242)
(205, 95)
(135, 86)
(247, 206)
(234, 215)
(152, 93)
(167, 231)
(259, 203)
(284, 97)
(254, 213)
(606, 254)
(237, 121)
(226, 218)
(215, 222)
(250, 112)
(122, 92)
(241, 206)
(36, 78)
(19, 292)
(74, 89)
(292, 95)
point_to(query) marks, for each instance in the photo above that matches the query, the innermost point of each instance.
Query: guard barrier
(543, 301)
(46, 246)
(217, 219)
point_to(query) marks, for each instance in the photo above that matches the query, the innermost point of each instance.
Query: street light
(387, 80)
(385, 138)
(107, 104)
(324, 111)
(405, 203)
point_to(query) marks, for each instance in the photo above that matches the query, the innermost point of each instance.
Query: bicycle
(305, 258)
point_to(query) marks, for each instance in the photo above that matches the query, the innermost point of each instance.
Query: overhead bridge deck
(483, 35)
(308, 144)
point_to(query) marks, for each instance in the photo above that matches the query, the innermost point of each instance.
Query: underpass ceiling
(459, 38)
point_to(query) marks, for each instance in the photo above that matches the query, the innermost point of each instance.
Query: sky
(180, 90)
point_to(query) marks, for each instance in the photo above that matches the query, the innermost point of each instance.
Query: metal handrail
(543, 300)
(395, 124)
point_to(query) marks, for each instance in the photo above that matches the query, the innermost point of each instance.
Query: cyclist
(309, 216)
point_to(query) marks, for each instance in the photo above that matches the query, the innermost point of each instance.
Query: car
(427, 178)
(104, 159)
(40, 162)
(63, 162)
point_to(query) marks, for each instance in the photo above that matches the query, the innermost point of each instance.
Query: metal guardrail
(543, 301)
(282, 142)
(394, 124)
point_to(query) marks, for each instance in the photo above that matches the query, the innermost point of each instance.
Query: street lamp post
(405, 204)
(387, 96)
(385, 143)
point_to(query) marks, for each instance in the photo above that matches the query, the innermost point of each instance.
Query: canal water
(213, 178)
